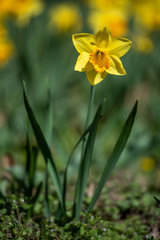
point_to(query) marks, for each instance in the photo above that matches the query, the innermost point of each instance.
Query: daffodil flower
(100, 54)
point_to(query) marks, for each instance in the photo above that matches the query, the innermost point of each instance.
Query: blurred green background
(36, 46)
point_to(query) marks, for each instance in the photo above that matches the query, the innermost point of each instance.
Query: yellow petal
(83, 63)
(83, 42)
(119, 46)
(103, 38)
(95, 77)
(116, 67)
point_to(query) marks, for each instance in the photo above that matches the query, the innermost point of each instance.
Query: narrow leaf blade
(49, 119)
(38, 191)
(85, 164)
(67, 166)
(118, 149)
(32, 169)
(44, 148)
(157, 200)
(49, 128)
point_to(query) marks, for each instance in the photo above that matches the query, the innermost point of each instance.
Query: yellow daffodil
(21, 10)
(106, 4)
(26, 9)
(144, 44)
(147, 14)
(100, 54)
(3, 31)
(147, 164)
(115, 19)
(60, 22)
(6, 47)
(6, 51)
(5, 7)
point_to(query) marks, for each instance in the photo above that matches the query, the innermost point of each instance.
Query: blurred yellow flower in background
(6, 51)
(25, 9)
(65, 18)
(106, 4)
(21, 10)
(147, 14)
(6, 47)
(100, 54)
(147, 164)
(3, 31)
(5, 7)
(143, 44)
(115, 19)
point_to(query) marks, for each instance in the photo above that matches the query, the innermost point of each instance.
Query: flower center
(99, 60)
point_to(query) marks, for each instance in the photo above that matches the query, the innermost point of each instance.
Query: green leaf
(32, 169)
(49, 127)
(38, 191)
(46, 199)
(116, 153)
(70, 157)
(28, 154)
(157, 200)
(31, 160)
(44, 149)
(85, 164)
(66, 169)
(49, 118)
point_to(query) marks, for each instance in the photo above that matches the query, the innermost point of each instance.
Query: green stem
(91, 99)
(46, 200)
(49, 126)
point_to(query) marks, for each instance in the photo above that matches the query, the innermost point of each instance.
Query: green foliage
(137, 224)
(31, 161)
(45, 151)
(85, 164)
(119, 147)
(157, 200)
(85, 160)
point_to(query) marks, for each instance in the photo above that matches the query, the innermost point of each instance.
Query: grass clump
(134, 215)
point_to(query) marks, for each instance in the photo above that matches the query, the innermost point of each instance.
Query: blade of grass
(44, 149)
(34, 199)
(38, 191)
(157, 200)
(70, 157)
(27, 167)
(85, 164)
(58, 215)
(31, 158)
(49, 126)
(46, 198)
(32, 169)
(28, 154)
(119, 147)
(49, 119)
